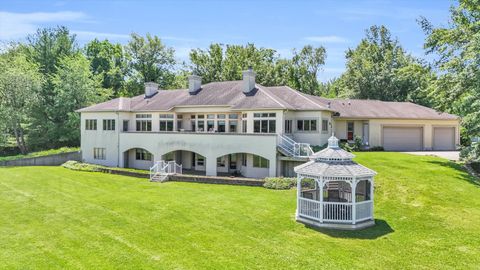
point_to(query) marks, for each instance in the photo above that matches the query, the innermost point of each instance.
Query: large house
(243, 128)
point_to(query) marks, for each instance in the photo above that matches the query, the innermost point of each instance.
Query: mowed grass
(427, 211)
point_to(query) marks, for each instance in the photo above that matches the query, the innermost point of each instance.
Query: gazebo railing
(339, 212)
(363, 210)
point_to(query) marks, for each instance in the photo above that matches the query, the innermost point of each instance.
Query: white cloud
(327, 39)
(19, 25)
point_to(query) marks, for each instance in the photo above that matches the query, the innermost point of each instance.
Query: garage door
(402, 138)
(444, 138)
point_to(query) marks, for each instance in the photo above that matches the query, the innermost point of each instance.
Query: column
(299, 192)
(321, 199)
(354, 201)
(211, 166)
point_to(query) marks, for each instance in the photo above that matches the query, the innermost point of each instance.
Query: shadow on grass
(464, 176)
(381, 228)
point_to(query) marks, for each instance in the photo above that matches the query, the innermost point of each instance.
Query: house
(241, 127)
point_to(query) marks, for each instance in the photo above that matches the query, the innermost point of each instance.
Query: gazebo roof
(334, 169)
(333, 161)
(332, 153)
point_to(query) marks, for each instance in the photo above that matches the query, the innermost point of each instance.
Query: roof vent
(329, 104)
(248, 80)
(194, 83)
(151, 89)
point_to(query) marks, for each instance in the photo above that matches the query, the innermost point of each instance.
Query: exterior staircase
(290, 148)
(160, 171)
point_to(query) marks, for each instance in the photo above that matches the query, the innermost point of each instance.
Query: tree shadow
(381, 228)
(464, 175)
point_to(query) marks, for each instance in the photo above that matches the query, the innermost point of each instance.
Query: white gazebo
(333, 191)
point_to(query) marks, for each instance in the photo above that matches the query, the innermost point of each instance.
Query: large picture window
(144, 122)
(166, 122)
(260, 162)
(307, 125)
(264, 123)
(91, 124)
(141, 154)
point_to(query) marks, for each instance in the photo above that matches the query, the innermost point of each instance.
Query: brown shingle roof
(368, 109)
(230, 94)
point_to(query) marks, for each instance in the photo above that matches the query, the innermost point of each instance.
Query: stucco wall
(376, 129)
(208, 145)
(312, 137)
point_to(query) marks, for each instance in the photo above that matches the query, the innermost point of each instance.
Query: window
(232, 126)
(145, 124)
(91, 124)
(288, 126)
(221, 126)
(233, 116)
(141, 154)
(221, 116)
(125, 125)
(201, 125)
(244, 126)
(350, 128)
(324, 125)
(108, 124)
(99, 153)
(244, 160)
(210, 116)
(233, 161)
(200, 160)
(210, 125)
(260, 162)
(221, 161)
(166, 122)
(307, 125)
(264, 125)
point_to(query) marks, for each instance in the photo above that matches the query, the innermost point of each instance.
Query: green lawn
(427, 211)
(41, 153)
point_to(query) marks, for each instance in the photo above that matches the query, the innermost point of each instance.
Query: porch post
(321, 199)
(211, 166)
(354, 201)
(299, 192)
(371, 196)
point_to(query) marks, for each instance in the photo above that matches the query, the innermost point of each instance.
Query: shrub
(79, 166)
(280, 182)
(376, 148)
(317, 148)
(470, 153)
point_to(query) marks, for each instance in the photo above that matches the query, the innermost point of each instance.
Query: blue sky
(282, 25)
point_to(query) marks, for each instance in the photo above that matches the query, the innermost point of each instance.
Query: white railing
(161, 169)
(334, 211)
(363, 210)
(337, 212)
(309, 208)
(294, 148)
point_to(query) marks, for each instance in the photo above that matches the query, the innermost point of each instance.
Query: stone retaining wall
(50, 160)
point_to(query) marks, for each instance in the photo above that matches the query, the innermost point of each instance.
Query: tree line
(46, 78)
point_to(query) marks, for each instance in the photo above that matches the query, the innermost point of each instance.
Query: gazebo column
(371, 196)
(321, 198)
(299, 191)
(354, 201)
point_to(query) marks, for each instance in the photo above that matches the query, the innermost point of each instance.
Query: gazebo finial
(333, 142)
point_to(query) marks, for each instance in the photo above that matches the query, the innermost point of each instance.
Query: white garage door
(444, 138)
(402, 138)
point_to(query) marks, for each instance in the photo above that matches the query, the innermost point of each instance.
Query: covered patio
(333, 191)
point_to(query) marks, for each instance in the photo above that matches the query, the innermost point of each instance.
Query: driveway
(450, 155)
